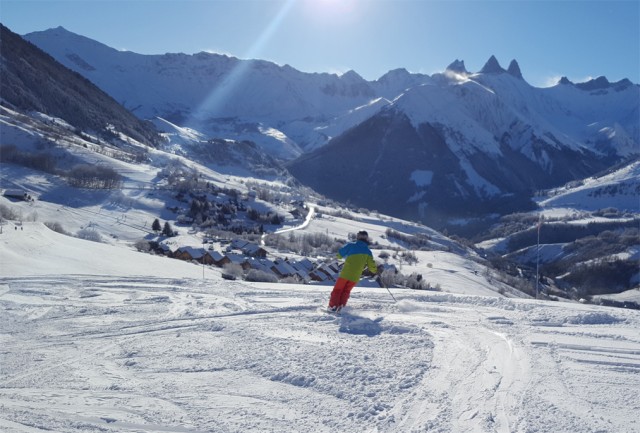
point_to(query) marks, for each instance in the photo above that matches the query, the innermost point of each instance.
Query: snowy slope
(309, 109)
(31, 249)
(619, 189)
(209, 90)
(123, 217)
(608, 113)
(98, 337)
(142, 344)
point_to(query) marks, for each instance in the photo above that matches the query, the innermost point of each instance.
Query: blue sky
(550, 39)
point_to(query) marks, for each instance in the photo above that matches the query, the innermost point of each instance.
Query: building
(17, 194)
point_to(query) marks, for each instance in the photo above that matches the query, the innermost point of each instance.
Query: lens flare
(223, 90)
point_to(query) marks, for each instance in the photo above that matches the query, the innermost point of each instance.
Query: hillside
(616, 188)
(584, 236)
(33, 81)
(98, 337)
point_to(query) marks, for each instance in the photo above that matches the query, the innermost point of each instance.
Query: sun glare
(334, 9)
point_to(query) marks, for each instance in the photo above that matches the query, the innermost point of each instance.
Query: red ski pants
(341, 292)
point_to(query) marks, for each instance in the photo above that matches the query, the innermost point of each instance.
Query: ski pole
(383, 283)
(394, 298)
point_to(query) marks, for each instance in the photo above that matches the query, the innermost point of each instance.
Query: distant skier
(357, 255)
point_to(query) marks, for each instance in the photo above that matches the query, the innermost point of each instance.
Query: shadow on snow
(358, 325)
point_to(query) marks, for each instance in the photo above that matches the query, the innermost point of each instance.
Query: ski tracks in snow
(477, 378)
(125, 354)
(512, 366)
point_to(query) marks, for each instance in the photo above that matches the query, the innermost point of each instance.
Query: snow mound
(593, 318)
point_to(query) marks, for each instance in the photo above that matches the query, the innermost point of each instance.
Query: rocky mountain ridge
(437, 148)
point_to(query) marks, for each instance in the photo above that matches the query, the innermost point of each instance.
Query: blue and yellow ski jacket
(357, 255)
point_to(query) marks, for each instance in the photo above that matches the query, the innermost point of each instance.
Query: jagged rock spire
(595, 84)
(598, 84)
(514, 69)
(492, 66)
(457, 66)
(565, 80)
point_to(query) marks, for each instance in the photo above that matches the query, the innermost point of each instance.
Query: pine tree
(156, 227)
(167, 230)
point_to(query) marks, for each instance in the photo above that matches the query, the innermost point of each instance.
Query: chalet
(184, 220)
(301, 269)
(239, 260)
(330, 270)
(238, 244)
(248, 248)
(320, 276)
(163, 249)
(263, 265)
(284, 268)
(296, 213)
(191, 253)
(304, 264)
(185, 253)
(219, 260)
(207, 258)
(335, 266)
(17, 194)
(254, 250)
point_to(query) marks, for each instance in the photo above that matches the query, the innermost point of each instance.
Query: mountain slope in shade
(32, 80)
(457, 151)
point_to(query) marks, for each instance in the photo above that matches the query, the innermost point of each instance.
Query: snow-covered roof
(261, 264)
(237, 258)
(194, 252)
(215, 255)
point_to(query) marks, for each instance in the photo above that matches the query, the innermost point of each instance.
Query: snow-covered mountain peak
(457, 66)
(565, 81)
(351, 75)
(395, 75)
(600, 83)
(594, 84)
(436, 105)
(55, 39)
(492, 67)
(397, 81)
(514, 69)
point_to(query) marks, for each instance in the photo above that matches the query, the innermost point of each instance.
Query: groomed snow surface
(149, 344)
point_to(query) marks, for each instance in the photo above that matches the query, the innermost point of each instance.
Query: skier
(357, 255)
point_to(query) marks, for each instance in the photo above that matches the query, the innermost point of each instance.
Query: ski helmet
(362, 236)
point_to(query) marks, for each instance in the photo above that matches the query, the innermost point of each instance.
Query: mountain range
(448, 149)
(437, 148)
